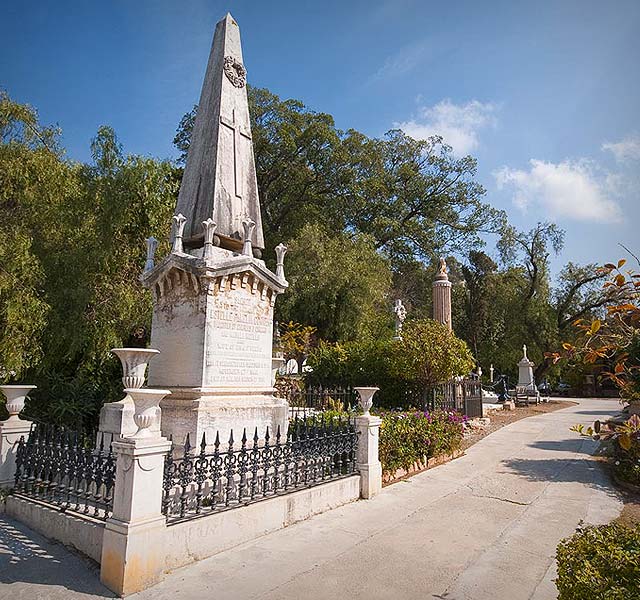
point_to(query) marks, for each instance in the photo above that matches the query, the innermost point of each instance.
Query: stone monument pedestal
(525, 373)
(213, 296)
(213, 325)
(11, 431)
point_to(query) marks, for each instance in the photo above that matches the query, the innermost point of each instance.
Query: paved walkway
(482, 527)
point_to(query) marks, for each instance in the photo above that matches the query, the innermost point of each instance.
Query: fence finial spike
(203, 443)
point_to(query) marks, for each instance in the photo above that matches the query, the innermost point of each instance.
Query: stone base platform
(198, 411)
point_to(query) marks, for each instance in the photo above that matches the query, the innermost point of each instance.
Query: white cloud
(458, 124)
(573, 190)
(402, 62)
(626, 149)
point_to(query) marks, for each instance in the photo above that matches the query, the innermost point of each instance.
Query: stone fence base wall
(83, 534)
(189, 541)
(200, 538)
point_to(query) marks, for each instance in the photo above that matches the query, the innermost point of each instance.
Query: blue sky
(545, 94)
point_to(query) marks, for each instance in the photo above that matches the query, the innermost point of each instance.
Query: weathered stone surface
(82, 533)
(219, 180)
(367, 460)
(213, 325)
(213, 296)
(132, 555)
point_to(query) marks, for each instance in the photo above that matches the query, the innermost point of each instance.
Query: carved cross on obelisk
(237, 130)
(219, 181)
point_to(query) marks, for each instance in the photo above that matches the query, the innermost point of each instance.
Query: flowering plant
(408, 439)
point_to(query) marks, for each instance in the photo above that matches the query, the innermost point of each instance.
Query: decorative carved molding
(235, 72)
(175, 278)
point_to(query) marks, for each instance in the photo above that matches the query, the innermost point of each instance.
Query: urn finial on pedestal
(152, 245)
(147, 409)
(366, 398)
(209, 231)
(16, 396)
(134, 364)
(281, 250)
(179, 221)
(248, 226)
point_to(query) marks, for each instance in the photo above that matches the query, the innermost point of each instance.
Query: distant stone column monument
(442, 296)
(213, 297)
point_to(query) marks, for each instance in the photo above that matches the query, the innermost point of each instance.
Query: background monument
(442, 296)
(526, 380)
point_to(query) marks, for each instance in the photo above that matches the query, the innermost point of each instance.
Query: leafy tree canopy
(412, 197)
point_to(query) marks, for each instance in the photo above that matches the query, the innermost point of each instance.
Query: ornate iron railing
(224, 476)
(323, 398)
(65, 469)
(463, 396)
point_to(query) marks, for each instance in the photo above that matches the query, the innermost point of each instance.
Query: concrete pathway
(482, 527)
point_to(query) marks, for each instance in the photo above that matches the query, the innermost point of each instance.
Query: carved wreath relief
(235, 71)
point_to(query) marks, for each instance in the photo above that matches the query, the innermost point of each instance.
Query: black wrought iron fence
(228, 475)
(463, 396)
(66, 469)
(323, 398)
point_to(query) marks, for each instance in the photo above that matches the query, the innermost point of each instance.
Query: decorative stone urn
(16, 396)
(146, 414)
(134, 364)
(366, 398)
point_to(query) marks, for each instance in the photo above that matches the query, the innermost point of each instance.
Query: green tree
(429, 353)
(72, 250)
(32, 176)
(338, 284)
(412, 197)
(296, 340)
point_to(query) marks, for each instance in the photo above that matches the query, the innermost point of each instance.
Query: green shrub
(621, 442)
(600, 563)
(427, 354)
(408, 438)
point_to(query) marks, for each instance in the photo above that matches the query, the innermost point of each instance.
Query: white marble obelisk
(213, 297)
(219, 180)
(442, 296)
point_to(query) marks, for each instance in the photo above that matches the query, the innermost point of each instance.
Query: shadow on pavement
(26, 557)
(560, 470)
(595, 412)
(570, 445)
